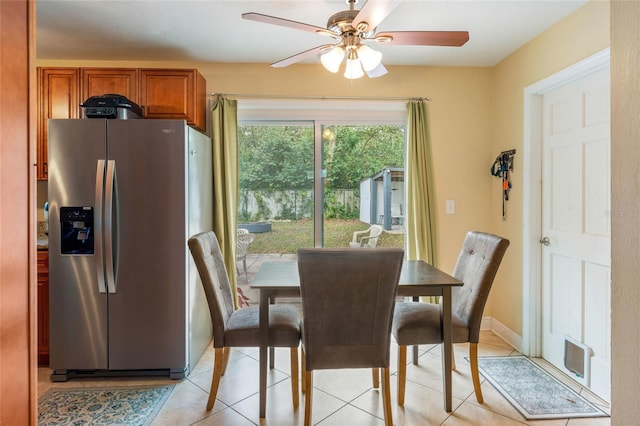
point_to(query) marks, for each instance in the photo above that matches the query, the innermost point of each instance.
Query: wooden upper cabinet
(101, 81)
(175, 94)
(162, 93)
(58, 98)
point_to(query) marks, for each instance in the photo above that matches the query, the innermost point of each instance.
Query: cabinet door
(58, 98)
(103, 81)
(43, 308)
(174, 94)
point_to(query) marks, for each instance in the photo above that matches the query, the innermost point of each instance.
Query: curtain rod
(346, 98)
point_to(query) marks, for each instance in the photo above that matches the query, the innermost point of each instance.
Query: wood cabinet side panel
(200, 106)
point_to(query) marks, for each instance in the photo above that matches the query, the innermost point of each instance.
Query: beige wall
(475, 113)
(625, 202)
(577, 37)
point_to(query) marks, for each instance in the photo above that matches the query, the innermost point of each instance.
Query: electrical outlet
(450, 206)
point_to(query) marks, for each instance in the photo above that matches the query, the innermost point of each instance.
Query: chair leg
(272, 358)
(225, 359)
(386, 397)
(303, 369)
(453, 360)
(375, 375)
(402, 373)
(294, 377)
(475, 375)
(308, 397)
(218, 365)
(244, 264)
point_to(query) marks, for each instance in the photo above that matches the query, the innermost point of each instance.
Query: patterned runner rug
(132, 405)
(535, 393)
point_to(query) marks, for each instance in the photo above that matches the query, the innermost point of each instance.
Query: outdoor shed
(382, 198)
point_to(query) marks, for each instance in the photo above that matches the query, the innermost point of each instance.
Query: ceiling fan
(350, 28)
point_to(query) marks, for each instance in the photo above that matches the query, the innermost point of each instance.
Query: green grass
(287, 237)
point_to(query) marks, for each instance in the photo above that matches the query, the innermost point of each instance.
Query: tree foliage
(276, 162)
(275, 157)
(356, 153)
(281, 157)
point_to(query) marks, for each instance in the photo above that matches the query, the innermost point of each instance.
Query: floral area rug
(102, 406)
(535, 393)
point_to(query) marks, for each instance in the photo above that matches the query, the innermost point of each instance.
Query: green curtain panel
(224, 135)
(420, 214)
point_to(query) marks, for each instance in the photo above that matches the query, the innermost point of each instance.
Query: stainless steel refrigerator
(124, 197)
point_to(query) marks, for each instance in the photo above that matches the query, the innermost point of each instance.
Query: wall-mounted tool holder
(501, 168)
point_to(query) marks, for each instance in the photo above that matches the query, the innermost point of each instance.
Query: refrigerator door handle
(108, 225)
(98, 226)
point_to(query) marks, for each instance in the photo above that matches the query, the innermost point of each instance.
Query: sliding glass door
(357, 161)
(276, 185)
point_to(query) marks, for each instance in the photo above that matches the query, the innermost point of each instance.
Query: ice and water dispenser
(76, 226)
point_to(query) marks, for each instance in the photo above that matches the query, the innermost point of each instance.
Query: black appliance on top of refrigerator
(124, 197)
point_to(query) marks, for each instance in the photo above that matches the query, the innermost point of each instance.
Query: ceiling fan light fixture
(370, 58)
(349, 28)
(354, 67)
(332, 59)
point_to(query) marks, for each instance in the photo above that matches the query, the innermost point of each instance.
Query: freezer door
(78, 310)
(147, 312)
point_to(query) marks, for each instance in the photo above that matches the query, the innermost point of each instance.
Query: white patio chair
(367, 238)
(244, 240)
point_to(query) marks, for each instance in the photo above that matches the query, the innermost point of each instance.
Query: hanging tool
(501, 168)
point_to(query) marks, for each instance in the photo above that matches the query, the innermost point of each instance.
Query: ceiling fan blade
(378, 71)
(301, 56)
(424, 38)
(373, 12)
(259, 17)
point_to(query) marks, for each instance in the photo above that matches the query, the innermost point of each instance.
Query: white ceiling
(213, 30)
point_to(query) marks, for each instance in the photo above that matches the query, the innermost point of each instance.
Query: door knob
(545, 241)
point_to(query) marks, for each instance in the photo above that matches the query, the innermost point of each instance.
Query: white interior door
(576, 221)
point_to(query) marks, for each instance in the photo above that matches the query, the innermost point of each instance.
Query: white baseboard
(502, 331)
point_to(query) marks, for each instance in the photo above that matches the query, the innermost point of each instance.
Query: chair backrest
(476, 267)
(207, 256)
(244, 240)
(374, 232)
(348, 297)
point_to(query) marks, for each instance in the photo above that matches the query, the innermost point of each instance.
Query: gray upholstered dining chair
(239, 328)
(348, 298)
(416, 323)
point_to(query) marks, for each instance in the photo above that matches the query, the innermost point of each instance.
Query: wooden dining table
(418, 278)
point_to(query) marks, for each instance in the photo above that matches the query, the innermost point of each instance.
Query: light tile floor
(341, 398)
